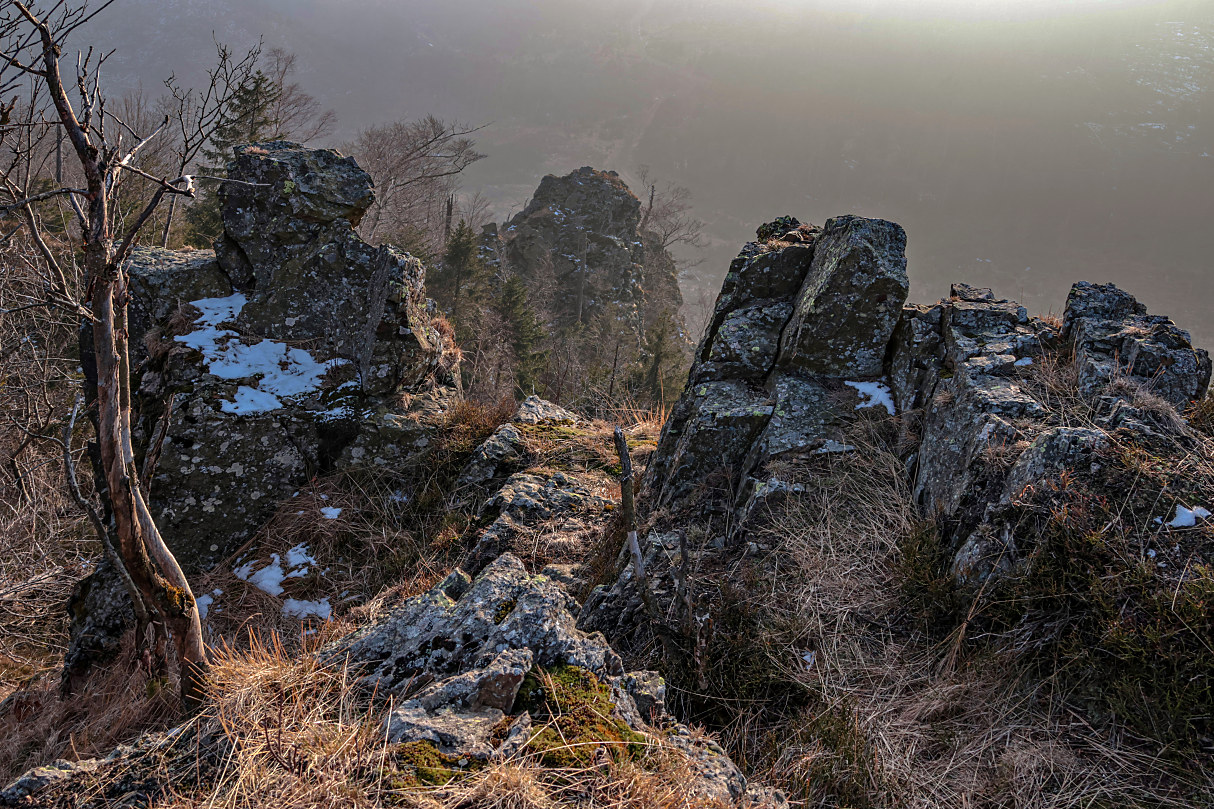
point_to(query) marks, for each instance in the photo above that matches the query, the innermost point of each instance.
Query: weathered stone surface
(534, 410)
(993, 548)
(710, 430)
(450, 663)
(163, 281)
(462, 624)
(298, 350)
(968, 380)
(41, 779)
(499, 452)
(1114, 336)
(801, 316)
(850, 300)
(255, 415)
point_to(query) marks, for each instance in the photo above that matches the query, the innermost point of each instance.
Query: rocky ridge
(811, 331)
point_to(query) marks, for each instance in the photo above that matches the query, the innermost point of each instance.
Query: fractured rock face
(297, 365)
(811, 325)
(849, 301)
(1114, 336)
(458, 655)
(796, 345)
(582, 240)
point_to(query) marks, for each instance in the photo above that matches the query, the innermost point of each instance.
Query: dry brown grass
(294, 733)
(888, 714)
(38, 724)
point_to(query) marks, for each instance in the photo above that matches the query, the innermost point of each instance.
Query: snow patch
(1023, 362)
(282, 371)
(299, 561)
(874, 393)
(268, 579)
(330, 513)
(297, 608)
(204, 603)
(1188, 517)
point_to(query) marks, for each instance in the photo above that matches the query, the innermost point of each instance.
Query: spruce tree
(249, 120)
(526, 333)
(461, 278)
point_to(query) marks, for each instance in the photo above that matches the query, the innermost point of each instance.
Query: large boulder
(296, 349)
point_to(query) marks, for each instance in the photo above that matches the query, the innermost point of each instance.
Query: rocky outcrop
(1114, 337)
(296, 367)
(810, 330)
(581, 241)
(475, 670)
(796, 344)
(295, 349)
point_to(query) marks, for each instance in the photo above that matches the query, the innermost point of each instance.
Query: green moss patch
(572, 713)
(421, 764)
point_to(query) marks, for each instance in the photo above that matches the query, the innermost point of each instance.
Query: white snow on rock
(297, 608)
(874, 393)
(283, 371)
(1023, 361)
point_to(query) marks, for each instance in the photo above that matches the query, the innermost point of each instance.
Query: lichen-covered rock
(795, 347)
(460, 653)
(993, 549)
(710, 430)
(1113, 335)
(534, 410)
(297, 367)
(849, 302)
(294, 351)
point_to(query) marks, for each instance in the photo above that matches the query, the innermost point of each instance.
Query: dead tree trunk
(144, 554)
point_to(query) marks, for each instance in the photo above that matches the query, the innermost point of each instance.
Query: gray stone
(534, 410)
(581, 240)
(1113, 336)
(850, 301)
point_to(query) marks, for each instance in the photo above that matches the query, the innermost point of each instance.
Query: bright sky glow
(971, 10)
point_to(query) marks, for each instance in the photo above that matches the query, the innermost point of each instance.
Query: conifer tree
(247, 121)
(526, 333)
(461, 279)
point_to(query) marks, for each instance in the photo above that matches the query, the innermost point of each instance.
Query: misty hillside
(1023, 145)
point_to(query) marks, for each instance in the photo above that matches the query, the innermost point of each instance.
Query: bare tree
(415, 165)
(667, 214)
(107, 151)
(294, 113)
(196, 114)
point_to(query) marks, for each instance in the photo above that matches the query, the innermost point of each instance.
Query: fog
(1023, 145)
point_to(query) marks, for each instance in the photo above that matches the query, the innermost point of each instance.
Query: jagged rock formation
(297, 366)
(580, 240)
(295, 349)
(796, 344)
(810, 330)
(468, 667)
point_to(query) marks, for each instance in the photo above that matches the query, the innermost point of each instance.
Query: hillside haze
(1023, 146)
